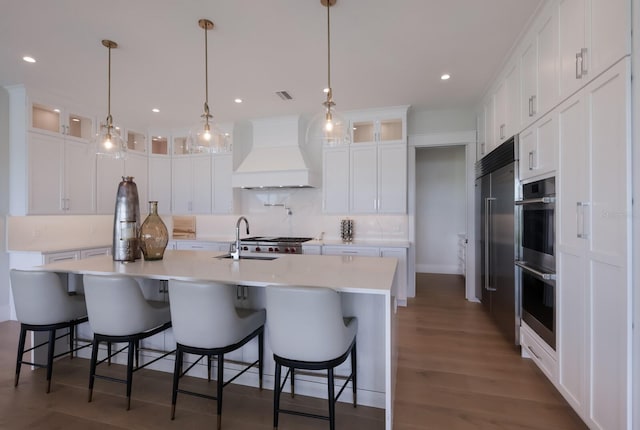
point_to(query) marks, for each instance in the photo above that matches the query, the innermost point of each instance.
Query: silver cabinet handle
(580, 220)
(578, 66)
(583, 61)
(530, 106)
(534, 110)
(530, 160)
(487, 234)
(502, 127)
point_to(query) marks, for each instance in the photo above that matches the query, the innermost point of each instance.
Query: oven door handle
(545, 200)
(545, 276)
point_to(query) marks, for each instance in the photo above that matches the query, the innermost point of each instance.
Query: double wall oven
(536, 261)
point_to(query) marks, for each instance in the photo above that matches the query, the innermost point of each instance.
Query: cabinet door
(351, 250)
(489, 121)
(390, 130)
(335, 180)
(528, 146)
(513, 101)
(363, 178)
(392, 178)
(608, 106)
(572, 289)
(46, 171)
(222, 189)
(610, 34)
(109, 175)
(79, 177)
(160, 183)
(500, 122)
(201, 185)
(572, 36)
(529, 82)
(181, 185)
(538, 147)
(547, 39)
(136, 165)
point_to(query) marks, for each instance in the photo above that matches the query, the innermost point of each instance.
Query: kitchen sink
(249, 257)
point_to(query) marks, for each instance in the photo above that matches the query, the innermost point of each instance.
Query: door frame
(461, 138)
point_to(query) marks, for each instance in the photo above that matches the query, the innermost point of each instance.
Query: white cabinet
(61, 175)
(109, 175)
(594, 207)
(538, 64)
(191, 184)
(362, 251)
(335, 180)
(400, 281)
(383, 126)
(49, 118)
(593, 35)
(506, 104)
(538, 147)
(199, 245)
(222, 168)
(312, 249)
(378, 178)
(160, 182)
(489, 117)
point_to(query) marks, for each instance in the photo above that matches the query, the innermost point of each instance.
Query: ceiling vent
(284, 95)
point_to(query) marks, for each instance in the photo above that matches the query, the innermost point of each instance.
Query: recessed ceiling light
(155, 110)
(445, 76)
(56, 110)
(238, 100)
(75, 119)
(29, 59)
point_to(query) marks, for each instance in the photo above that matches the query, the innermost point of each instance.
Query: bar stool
(119, 313)
(308, 331)
(207, 323)
(43, 304)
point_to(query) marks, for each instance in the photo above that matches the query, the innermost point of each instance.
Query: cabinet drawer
(351, 250)
(541, 354)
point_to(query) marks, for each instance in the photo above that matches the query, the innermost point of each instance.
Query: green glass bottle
(154, 235)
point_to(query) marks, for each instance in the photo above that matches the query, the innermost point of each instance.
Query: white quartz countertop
(343, 273)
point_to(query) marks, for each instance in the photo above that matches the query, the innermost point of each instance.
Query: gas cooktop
(274, 239)
(273, 244)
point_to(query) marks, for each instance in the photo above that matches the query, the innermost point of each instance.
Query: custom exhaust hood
(276, 159)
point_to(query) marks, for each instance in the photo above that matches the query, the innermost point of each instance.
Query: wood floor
(455, 372)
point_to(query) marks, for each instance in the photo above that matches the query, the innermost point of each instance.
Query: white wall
(440, 207)
(440, 121)
(4, 203)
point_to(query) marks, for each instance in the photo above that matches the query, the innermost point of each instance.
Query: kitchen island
(366, 284)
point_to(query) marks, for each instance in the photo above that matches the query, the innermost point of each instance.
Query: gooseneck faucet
(236, 251)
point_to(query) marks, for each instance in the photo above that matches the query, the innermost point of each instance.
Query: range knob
(276, 249)
(246, 248)
(293, 250)
(257, 249)
(270, 249)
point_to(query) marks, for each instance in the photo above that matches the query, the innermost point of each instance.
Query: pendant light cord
(206, 72)
(109, 119)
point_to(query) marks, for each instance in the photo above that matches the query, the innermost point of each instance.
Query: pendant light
(108, 141)
(328, 127)
(205, 137)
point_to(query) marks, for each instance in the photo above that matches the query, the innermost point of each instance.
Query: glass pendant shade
(109, 143)
(328, 128)
(154, 235)
(207, 138)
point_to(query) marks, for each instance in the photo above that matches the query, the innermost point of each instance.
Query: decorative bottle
(154, 235)
(126, 222)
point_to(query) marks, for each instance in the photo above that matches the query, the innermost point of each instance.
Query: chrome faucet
(235, 253)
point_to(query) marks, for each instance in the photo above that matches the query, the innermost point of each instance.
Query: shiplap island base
(368, 290)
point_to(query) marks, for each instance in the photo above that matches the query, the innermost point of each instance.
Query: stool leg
(72, 333)
(209, 368)
(332, 401)
(293, 383)
(50, 350)
(219, 387)
(130, 353)
(354, 375)
(177, 370)
(21, 341)
(260, 356)
(109, 353)
(92, 365)
(276, 395)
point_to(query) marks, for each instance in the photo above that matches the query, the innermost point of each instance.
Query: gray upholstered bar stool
(308, 331)
(119, 313)
(207, 323)
(43, 304)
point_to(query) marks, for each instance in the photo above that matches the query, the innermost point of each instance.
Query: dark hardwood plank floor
(455, 372)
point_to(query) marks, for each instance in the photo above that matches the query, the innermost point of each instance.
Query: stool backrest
(306, 323)
(40, 297)
(203, 314)
(116, 305)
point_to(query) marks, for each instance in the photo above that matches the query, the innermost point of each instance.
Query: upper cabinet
(593, 35)
(59, 121)
(538, 63)
(370, 175)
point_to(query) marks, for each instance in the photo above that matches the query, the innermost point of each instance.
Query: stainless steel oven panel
(538, 304)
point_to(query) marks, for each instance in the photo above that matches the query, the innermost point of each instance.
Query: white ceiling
(384, 53)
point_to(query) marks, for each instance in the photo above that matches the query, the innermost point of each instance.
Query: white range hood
(276, 159)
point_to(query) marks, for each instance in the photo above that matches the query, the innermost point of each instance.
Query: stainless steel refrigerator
(497, 187)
